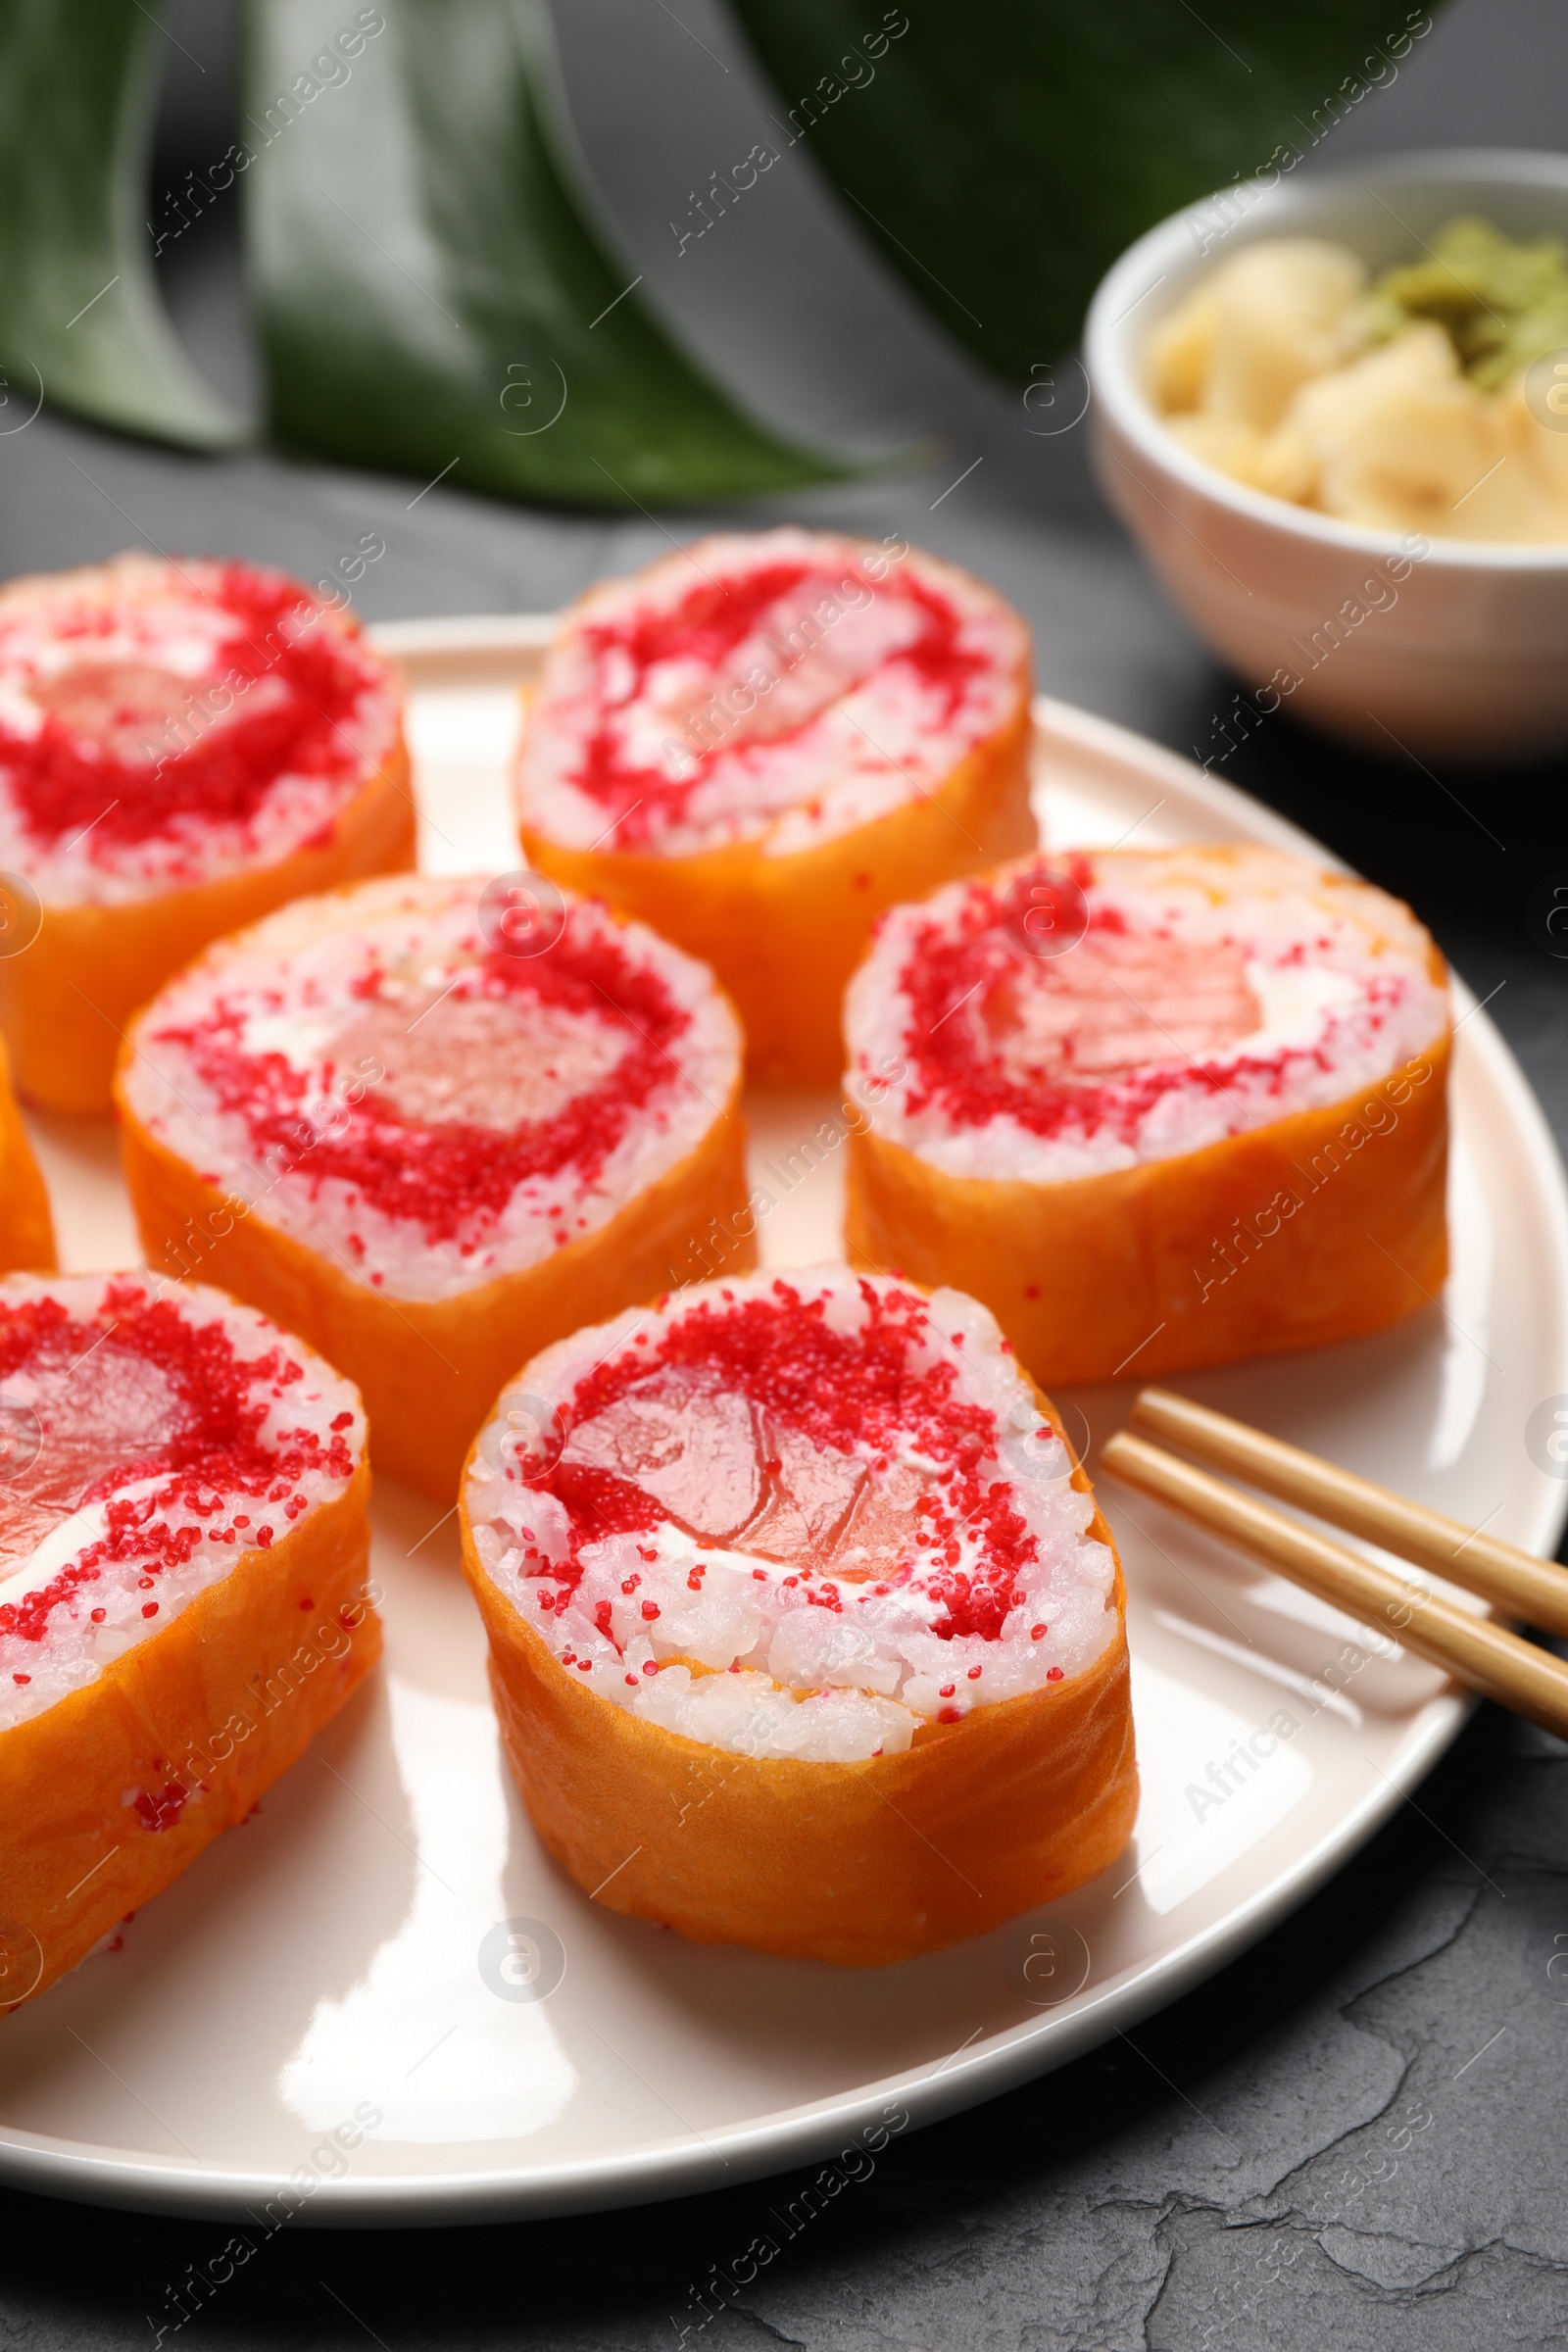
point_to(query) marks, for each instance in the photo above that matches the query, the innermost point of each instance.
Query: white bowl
(1466, 657)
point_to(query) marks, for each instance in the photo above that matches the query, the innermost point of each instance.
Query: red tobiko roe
(161, 1808)
(707, 625)
(214, 1453)
(227, 773)
(946, 969)
(441, 1176)
(837, 1387)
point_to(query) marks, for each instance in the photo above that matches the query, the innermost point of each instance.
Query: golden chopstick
(1516, 1581)
(1475, 1651)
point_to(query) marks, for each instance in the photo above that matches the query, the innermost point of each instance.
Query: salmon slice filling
(1116, 1005)
(783, 687)
(166, 724)
(1175, 999)
(377, 1074)
(149, 1443)
(793, 1516)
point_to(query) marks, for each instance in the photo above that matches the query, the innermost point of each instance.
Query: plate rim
(87, 2172)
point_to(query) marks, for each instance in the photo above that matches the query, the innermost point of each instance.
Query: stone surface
(1355, 2135)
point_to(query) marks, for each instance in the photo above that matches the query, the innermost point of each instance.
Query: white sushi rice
(786, 1677)
(142, 613)
(809, 728)
(295, 982)
(1339, 973)
(107, 1395)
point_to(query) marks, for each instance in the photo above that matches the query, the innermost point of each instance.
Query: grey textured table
(1356, 2135)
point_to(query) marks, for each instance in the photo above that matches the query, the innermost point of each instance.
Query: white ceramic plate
(323, 1964)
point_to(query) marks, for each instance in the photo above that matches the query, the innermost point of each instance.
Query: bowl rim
(1145, 264)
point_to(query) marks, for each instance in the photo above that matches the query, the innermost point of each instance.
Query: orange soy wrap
(66, 1000)
(219, 1704)
(27, 1229)
(860, 1864)
(431, 1370)
(784, 933)
(1318, 1227)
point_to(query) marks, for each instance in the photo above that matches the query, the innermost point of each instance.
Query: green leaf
(1003, 157)
(432, 290)
(82, 324)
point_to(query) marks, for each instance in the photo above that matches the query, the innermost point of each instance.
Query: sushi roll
(762, 741)
(26, 1227)
(1159, 1110)
(434, 1125)
(183, 1603)
(184, 746)
(805, 1630)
